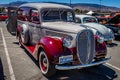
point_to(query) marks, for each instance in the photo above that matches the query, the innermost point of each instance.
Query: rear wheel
(47, 68)
(24, 39)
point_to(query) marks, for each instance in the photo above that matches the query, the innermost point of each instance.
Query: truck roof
(45, 5)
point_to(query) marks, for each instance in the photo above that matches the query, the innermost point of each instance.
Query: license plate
(65, 59)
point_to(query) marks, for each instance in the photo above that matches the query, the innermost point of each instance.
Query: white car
(98, 29)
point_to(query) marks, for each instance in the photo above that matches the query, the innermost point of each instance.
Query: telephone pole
(70, 3)
(100, 5)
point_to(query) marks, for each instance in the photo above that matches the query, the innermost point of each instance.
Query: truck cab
(49, 32)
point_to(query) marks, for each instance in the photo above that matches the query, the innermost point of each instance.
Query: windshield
(57, 15)
(89, 19)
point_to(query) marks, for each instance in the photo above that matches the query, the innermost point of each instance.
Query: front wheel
(47, 68)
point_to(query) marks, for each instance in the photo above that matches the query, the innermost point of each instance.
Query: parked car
(103, 20)
(49, 33)
(3, 16)
(11, 21)
(114, 25)
(98, 29)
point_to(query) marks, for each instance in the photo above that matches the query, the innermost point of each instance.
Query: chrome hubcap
(45, 62)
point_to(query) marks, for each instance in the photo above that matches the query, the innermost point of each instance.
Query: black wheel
(47, 68)
(24, 39)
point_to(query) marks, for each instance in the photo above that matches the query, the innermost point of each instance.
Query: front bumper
(108, 39)
(117, 34)
(69, 67)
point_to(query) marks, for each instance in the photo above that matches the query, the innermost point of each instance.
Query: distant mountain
(94, 7)
(80, 6)
(17, 3)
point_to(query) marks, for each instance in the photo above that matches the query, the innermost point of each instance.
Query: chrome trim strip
(66, 67)
(117, 34)
(106, 39)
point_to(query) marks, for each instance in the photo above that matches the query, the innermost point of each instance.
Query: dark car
(114, 25)
(103, 20)
(3, 16)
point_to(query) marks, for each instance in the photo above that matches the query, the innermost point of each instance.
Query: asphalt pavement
(17, 64)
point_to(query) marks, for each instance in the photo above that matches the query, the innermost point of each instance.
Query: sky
(114, 3)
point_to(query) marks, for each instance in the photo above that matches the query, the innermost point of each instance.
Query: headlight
(67, 41)
(99, 34)
(100, 37)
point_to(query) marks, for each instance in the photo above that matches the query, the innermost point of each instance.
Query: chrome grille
(85, 46)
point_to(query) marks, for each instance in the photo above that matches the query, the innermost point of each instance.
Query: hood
(101, 28)
(63, 26)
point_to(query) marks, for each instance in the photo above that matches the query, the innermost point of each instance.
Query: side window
(69, 16)
(77, 20)
(23, 14)
(20, 11)
(34, 16)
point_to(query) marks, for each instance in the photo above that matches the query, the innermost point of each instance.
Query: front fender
(100, 48)
(52, 46)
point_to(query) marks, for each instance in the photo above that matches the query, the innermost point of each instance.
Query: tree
(1, 9)
(77, 11)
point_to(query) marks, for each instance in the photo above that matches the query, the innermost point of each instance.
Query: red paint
(100, 47)
(73, 50)
(96, 37)
(3, 17)
(56, 49)
(52, 46)
(31, 48)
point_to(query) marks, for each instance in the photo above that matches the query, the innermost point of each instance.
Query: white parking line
(113, 66)
(12, 76)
